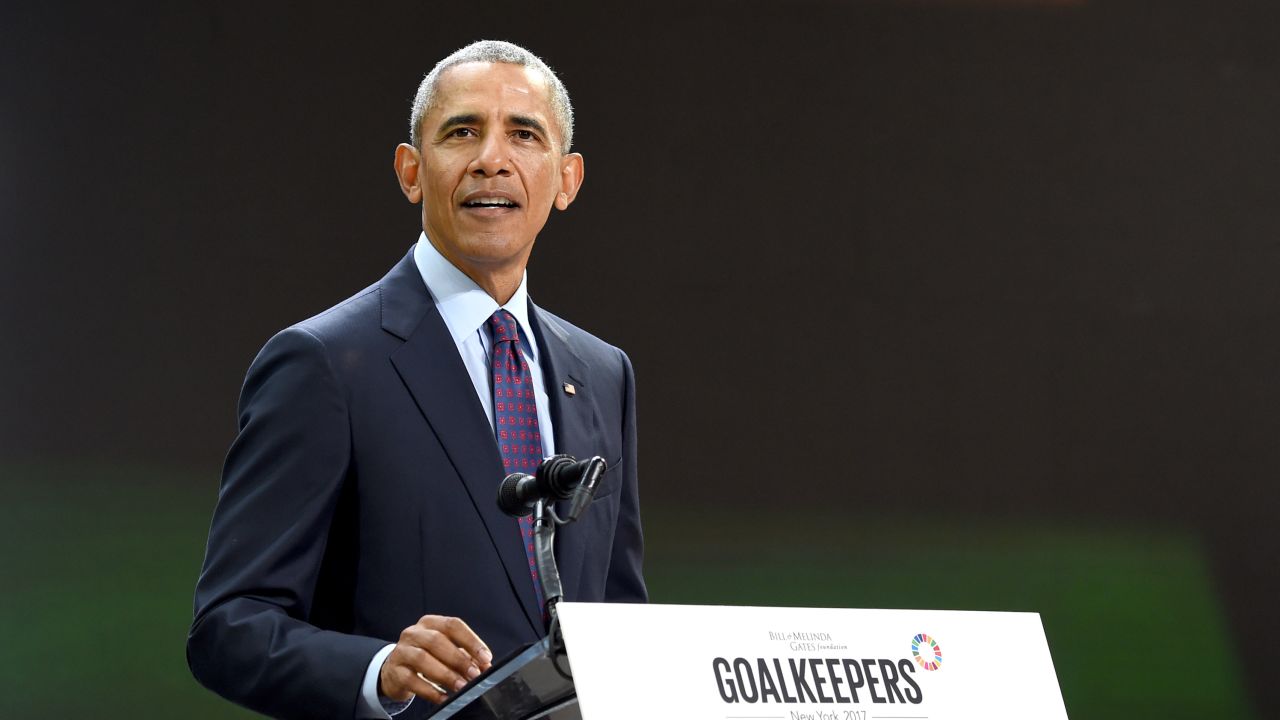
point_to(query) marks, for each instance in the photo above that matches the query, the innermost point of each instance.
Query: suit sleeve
(626, 572)
(251, 641)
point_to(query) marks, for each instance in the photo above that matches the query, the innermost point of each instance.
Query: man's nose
(493, 158)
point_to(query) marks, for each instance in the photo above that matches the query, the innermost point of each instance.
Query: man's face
(489, 167)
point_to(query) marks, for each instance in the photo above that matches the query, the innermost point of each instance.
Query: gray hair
(494, 51)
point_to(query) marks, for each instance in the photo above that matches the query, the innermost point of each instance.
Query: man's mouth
(490, 202)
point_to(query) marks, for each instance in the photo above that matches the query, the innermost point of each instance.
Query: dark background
(965, 304)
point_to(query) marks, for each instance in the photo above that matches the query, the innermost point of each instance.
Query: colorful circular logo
(926, 651)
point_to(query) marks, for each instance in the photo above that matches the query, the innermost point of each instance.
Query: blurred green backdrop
(100, 561)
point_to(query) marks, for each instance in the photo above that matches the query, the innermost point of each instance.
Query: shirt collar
(463, 305)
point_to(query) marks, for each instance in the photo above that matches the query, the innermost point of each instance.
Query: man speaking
(357, 557)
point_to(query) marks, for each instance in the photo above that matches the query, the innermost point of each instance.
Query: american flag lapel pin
(570, 390)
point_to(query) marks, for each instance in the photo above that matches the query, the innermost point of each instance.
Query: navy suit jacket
(360, 495)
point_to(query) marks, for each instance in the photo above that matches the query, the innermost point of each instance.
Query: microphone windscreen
(509, 500)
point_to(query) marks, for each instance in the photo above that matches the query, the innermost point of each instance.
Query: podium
(638, 662)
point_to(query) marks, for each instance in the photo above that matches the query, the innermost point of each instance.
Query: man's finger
(442, 649)
(464, 637)
(423, 688)
(424, 679)
(426, 663)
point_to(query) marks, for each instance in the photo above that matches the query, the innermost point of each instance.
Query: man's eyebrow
(527, 122)
(467, 119)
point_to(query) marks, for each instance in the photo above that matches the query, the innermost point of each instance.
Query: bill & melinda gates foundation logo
(821, 680)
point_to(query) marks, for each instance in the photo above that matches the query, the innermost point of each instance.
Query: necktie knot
(503, 326)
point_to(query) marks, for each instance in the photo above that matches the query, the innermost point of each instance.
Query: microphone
(558, 477)
(586, 490)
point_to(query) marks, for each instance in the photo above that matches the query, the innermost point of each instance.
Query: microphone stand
(544, 535)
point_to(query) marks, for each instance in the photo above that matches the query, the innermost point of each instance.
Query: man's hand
(443, 650)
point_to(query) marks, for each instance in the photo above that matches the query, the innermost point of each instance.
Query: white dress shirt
(465, 309)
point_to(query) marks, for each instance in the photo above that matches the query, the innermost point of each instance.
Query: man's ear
(570, 179)
(408, 161)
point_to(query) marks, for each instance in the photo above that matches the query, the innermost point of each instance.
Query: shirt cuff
(372, 705)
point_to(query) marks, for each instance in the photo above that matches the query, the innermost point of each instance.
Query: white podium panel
(754, 663)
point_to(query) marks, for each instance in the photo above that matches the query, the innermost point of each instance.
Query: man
(357, 557)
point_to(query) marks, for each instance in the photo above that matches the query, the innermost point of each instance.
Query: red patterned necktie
(515, 418)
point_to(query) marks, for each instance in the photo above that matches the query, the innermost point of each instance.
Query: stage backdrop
(965, 305)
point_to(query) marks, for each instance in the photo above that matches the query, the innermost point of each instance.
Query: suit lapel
(433, 372)
(575, 423)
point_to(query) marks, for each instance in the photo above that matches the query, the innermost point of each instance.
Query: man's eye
(525, 135)
(462, 132)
